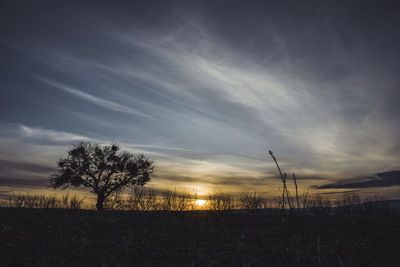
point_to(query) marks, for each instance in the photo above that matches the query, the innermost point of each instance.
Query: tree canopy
(103, 169)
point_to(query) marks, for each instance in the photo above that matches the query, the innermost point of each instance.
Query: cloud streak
(107, 104)
(45, 136)
(383, 179)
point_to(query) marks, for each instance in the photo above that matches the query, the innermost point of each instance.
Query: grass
(62, 237)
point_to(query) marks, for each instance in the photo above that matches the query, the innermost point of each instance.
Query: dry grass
(42, 201)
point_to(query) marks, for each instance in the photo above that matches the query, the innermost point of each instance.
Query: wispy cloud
(8, 165)
(202, 83)
(45, 136)
(157, 147)
(94, 99)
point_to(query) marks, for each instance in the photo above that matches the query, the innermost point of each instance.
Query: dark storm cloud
(383, 179)
(206, 86)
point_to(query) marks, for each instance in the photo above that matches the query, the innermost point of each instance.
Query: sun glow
(200, 202)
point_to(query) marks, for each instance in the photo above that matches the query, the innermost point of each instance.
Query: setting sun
(200, 202)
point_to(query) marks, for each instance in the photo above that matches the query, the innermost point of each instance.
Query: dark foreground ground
(34, 237)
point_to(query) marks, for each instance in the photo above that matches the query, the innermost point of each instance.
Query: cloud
(155, 147)
(8, 165)
(107, 104)
(23, 182)
(210, 85)
(47, 137)
(383, 179)
(337, 193)
(24, 137)
(212, 96)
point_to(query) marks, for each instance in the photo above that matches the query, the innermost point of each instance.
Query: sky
(205, 89)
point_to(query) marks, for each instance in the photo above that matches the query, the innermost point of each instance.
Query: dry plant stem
(284, 188)
(283, 199)
(288, 195)
(297, 193)
(283, 181)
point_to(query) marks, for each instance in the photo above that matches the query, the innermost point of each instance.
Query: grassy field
(58, 237)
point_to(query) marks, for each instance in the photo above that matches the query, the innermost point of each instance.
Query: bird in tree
(103, 169)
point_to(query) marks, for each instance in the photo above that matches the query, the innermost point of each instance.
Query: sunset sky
(205, 89)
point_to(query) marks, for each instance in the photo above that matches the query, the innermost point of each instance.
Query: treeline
(149, 199)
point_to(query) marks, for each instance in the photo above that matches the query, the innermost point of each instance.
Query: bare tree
(102, 169)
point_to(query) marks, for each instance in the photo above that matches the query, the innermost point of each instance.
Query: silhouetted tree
(102, 169)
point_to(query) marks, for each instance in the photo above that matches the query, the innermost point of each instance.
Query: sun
(200, 202)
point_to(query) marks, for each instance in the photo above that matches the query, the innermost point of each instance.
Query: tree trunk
(100, 200)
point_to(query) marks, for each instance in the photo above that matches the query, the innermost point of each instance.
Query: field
(62, 237)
